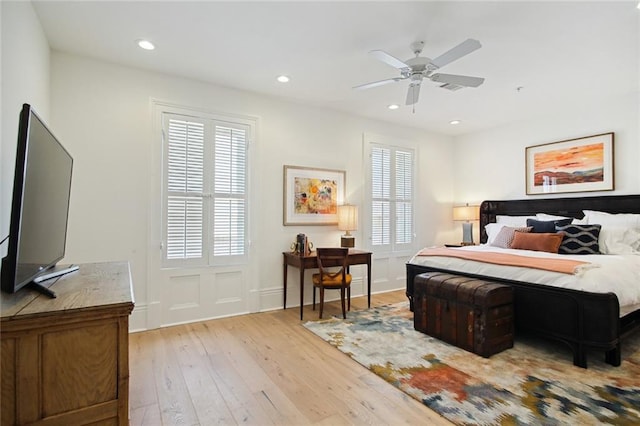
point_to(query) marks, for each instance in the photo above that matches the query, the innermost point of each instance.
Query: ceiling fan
(418, 68)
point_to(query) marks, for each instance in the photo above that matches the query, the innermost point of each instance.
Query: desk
(356, 257)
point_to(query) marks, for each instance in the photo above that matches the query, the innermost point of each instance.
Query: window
(205, 187)
(391, 188)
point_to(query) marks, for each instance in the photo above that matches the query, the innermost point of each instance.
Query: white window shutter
(230, 202)
(206, 196)
(184, 186)
(391, 174)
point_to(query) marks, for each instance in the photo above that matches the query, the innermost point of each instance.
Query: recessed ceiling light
(393, 106)
(454, 122)
(145, 44)
(283, 79)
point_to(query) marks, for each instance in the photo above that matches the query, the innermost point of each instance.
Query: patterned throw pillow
(579, 239)
(506, 235)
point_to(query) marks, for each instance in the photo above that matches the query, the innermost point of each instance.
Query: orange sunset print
(578, 164)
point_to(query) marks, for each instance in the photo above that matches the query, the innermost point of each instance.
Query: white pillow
(492, 231)
(622, 220)
(618, 240)
(582, 221)
(549, 217)
(513, 220)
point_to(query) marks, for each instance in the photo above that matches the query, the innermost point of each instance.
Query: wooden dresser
(65, 361)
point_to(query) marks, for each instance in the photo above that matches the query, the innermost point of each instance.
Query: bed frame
(582, 320)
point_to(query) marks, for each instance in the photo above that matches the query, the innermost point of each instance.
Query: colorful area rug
(535, 383)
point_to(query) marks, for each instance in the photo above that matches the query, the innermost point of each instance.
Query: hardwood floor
(260, 369)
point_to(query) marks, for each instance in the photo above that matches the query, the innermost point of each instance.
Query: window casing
(391, 174)
(205, 190)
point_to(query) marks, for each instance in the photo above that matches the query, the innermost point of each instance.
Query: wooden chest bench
(473, 314)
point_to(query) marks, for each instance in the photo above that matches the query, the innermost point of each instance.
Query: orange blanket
(565, 266)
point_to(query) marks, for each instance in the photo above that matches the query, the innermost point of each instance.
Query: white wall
(25, 79)
(491, 164)
(102, 113)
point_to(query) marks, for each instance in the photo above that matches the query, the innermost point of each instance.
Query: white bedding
(619, 274)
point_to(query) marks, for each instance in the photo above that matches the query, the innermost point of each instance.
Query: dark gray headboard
(570, 207)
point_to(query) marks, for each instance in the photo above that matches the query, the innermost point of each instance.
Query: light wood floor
(260, 369)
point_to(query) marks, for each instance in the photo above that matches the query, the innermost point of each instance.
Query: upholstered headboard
(570, 207)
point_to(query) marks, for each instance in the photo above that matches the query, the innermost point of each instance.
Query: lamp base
(347, 241)
(467, 234)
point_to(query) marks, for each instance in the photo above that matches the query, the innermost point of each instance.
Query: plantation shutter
(391, 174)
(206, 197)
(404, 197)
(380, 196)
(185, 190)
(230, 203)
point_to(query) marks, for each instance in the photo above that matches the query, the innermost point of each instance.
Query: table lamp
(347, 221)
(467, 214)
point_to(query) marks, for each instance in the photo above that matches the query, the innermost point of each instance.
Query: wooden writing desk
(356, 257)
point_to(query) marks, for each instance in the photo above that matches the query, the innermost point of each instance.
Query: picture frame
(312, 195)
(572, 165)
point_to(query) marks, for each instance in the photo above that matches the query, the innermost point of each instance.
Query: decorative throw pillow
(579, 239)
(549, 242)
(547, 226)
(506, 235)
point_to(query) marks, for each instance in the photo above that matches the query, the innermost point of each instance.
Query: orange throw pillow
(538, 242)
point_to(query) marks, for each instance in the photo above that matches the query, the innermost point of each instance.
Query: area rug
(534, 383)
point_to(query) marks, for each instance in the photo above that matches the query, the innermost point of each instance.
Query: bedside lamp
(347, 221)
(466, 213)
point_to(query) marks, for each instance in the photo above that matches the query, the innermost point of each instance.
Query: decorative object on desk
(312, 196)
(467, 214)
(574, 165)
(347, 221)
(301, 246)
(528, 384)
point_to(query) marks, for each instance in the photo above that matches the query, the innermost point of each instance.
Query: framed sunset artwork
(574, 165)
(312, 196)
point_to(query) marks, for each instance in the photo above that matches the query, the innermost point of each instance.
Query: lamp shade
(466, 213)
(347, 217)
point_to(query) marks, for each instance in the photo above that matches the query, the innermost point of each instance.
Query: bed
(583, 320)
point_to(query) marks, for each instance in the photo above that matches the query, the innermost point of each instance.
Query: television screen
(40, 205)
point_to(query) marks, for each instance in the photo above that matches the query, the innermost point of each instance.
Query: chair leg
(314, 298)
(344, 313)
(349, 297)
(321, 301)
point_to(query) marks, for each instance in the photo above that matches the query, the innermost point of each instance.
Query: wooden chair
(331, 278)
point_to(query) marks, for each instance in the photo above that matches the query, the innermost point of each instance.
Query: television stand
(52, 272)
(65, 361)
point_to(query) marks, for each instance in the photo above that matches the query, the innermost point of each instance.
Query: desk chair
(330, 278)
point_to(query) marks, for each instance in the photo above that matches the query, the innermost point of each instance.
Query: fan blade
(464, 48)
(459, 80)
(378, 83)
(413, 94)
(383, 56)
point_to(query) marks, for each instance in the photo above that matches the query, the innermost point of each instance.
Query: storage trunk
(475, 315)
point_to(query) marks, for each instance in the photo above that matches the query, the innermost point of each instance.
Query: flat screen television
(39, 208)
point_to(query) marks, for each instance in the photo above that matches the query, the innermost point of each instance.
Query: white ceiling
(562, 54)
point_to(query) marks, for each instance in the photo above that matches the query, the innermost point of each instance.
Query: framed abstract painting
(312, 196)
(574, 165)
